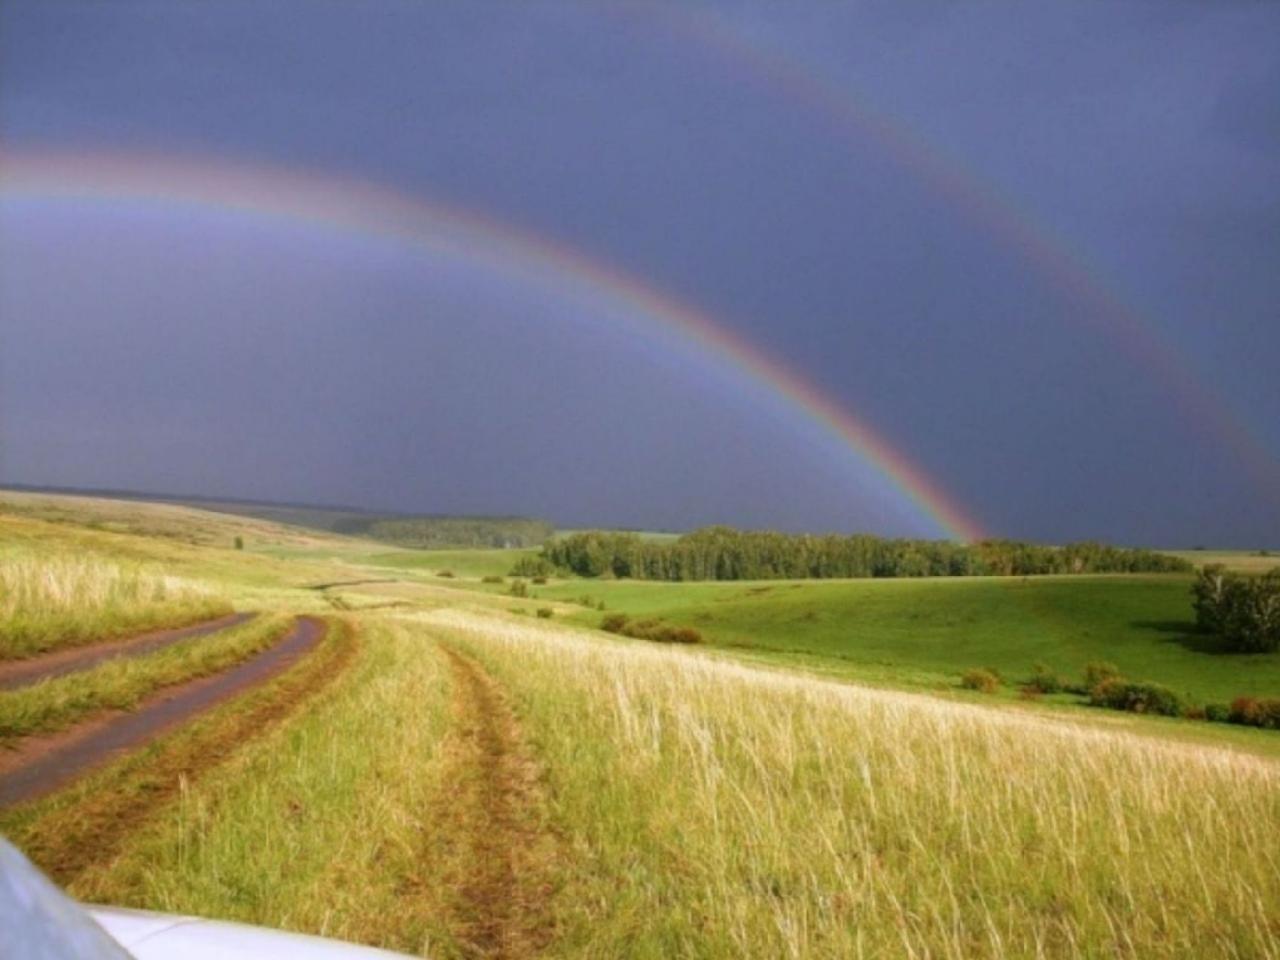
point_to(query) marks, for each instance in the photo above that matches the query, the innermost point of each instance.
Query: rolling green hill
(926, 632)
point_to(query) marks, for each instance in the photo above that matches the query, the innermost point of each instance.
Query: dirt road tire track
(15, 674)
(491, 842)
(89, 830)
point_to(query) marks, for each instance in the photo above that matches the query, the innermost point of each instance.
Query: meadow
(927, 632)
(52, 599)
(764, 815)
(449, 775)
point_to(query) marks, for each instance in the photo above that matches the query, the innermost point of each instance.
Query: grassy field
(461, 563)
(1241, 561)
(756, 815)
(52, 598)
(926, 632)
(349, 779)
(448, 777)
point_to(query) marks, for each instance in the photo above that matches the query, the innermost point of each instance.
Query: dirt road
(23, 673)
(492, 845)
(39, 765)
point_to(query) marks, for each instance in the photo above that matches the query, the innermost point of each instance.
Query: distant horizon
(195, 499)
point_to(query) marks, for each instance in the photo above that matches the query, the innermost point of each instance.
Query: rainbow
(364, 208)
(853, 117)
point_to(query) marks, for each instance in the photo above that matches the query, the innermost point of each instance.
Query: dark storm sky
(725, 158)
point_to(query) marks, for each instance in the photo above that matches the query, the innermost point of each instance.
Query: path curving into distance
(41, 765)
(58, 663)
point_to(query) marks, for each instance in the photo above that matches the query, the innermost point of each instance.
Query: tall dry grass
(720, 810)
(51, 599)
(320, 827)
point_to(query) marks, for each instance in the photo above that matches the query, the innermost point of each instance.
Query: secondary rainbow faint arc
(1051, 256)
(360, 206)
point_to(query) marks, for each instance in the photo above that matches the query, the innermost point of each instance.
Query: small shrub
(1194, 712)
(614, 623)
(1255, 712)
(1030, 693)
(532, 567)
(492, 579)
(653, 630)
(681, 635)
(1044, 680)
(540, 581)
(1137, 697)
(545, 613)
(239, 543)
(447, 574)
(1098, 672)
(518, 588)
(1244, 710)
(982, 680)
(640, 629)
(1217, 712)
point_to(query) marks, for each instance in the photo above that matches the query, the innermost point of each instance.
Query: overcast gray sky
(1035, 247)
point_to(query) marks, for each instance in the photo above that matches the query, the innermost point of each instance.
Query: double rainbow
(364, 208)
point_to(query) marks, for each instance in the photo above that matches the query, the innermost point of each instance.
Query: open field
(59, 599)
(755, 814)
(927, 632)
(462, 563)
(1241, 561)
(447, 775)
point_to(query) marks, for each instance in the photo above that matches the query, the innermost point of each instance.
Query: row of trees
(723, 553)
(428, 533)
(1244, 612)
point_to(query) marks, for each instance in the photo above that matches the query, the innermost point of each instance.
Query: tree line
(724, 553)
(427, 533)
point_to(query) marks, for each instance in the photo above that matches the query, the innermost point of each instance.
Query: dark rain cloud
(1137, 140)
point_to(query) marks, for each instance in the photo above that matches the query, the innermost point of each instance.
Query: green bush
(518, 588)
(1217, 712)
(980, 679)
(532, 567)
(492, 579)
(1244, 612)
(654, 630)
(1097, 672)
(540, 581)
(1137, 697)
(239, 541)
(1044, 680)
(545, 613)
(447, 574)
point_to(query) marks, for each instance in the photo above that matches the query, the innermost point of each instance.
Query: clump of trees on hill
(723, 553)
(434, 533)
(1244, 612)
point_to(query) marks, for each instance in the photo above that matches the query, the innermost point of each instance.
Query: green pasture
(926, 632)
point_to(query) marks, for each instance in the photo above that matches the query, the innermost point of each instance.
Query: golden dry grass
(729, 811)
(52, 598)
